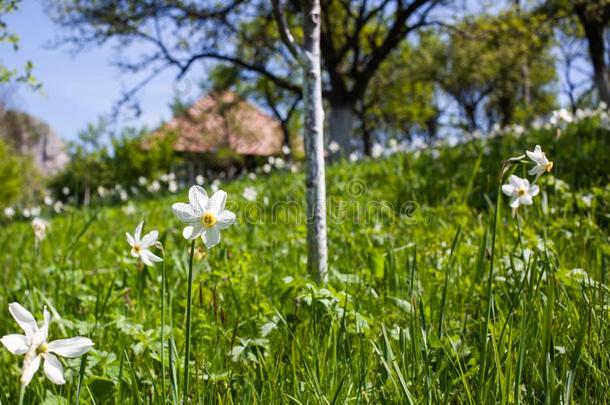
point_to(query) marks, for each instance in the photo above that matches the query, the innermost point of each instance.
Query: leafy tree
(481, 67)
(594, 18)
(12, 40)
(356, 37)
(401, 99)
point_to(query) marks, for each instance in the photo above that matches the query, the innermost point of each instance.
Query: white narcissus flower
(35, 347)
(250, 193)
(520, 191)
(40, 228)
(140, 246)
(333, 147)
(204, 216)
(543, 165)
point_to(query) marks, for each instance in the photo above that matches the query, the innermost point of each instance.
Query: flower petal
(192, 231)
(225, 219)
(16, 344)
(534, 190)
(211, 237)
(130, 239)
(198, 197)
(53, 369)
(73, 347)
(31, 364)
(24, 318)
(526, 199)
(149, 239)
(185, 213)
(138, 232)
(508, 189)
(149, 258)
(514, 203)
(44, 331)
(516, 181)
(217, 203)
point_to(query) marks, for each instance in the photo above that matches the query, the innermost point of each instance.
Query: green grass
(410, 314)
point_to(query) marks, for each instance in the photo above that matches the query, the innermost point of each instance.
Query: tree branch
(284, 31)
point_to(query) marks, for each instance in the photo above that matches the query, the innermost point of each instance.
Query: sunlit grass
(411, 314)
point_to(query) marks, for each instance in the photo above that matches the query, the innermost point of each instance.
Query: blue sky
(77, 89)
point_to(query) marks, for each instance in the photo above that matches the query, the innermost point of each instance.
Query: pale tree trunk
(341, 126)
(308, 57)
(317, 255)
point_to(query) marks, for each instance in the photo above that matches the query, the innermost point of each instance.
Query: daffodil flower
(520, 191)
(35, 347)
(40, 228)
(204, 216)
(140, 246)
(543, 165)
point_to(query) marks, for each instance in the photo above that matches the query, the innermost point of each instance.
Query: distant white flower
(271, 160)
(40, 228)
(377, 151)
(35, 347)
(602, 105)
(266, 201)
(140, 246)
(286, 150)
(559, 116)
(101, 191)
(279, 163)
(171, 176)
(164, 178)
(294, 168)
(267, 168)
(129, 209)
(154, 186)
(518, 130)
(199, 179)
(204, 216)
(250, 193)
(48, 200)
(9, 212)
(58, 207)
(520, 191)
(172, 186)
(252, 176)
(353, 157)
(215, 185)
(26, 213)
(543, 165)
(123, 195)
(142, 180)
(333, 147)
(587, 199)
(66, 190)
(35, 211)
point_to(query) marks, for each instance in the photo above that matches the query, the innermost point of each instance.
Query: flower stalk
(187, 344)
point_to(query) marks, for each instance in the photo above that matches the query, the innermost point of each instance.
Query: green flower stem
(188, 326)
(21, 394)
(162, 323)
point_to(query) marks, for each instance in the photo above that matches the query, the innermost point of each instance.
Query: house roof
(225, 120)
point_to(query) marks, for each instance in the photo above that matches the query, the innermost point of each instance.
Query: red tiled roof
(225, 121)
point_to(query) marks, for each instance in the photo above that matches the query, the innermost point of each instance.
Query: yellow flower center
(136, 249)
(42, 348)
(522, 191)
(548, 167)
(208, 219)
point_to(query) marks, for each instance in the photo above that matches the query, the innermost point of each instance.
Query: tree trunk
(341, 125)
(595, 40)
(317, 255)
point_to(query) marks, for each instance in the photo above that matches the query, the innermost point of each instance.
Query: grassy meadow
(437, 294)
